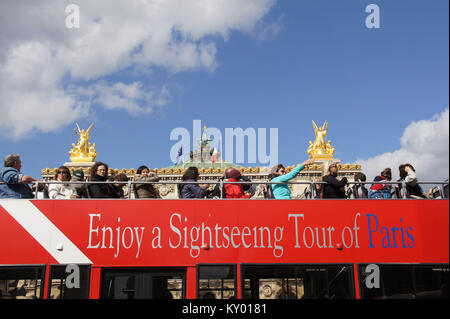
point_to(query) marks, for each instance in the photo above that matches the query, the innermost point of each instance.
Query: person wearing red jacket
(234, 190)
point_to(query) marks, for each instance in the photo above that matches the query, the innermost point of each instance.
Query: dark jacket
(215, 193)
(14, 188)
(191, 190)
(81, 188)
(413, 190)
(332, 188)
(246, 187)
(102, 190)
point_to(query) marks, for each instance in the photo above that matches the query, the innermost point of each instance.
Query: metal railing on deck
(440, 189)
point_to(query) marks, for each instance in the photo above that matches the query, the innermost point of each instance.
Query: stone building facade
(211, 172)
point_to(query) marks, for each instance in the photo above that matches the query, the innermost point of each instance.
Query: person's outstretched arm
(294, 172)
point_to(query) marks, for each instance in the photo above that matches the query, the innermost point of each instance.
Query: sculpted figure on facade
(320, 149)
(83, 151)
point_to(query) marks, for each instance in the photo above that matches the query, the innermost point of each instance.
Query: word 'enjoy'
(124, 237)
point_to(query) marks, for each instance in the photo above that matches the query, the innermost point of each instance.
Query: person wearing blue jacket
(281, 191)
(13, 182)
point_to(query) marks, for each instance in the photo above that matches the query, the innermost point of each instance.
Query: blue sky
(299, 61)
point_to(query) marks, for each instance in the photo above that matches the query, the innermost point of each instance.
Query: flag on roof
(180, 154)
(214, 155)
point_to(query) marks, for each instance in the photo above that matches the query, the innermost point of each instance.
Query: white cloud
(424, 144)
(45, 67)
(132, 98)
(269, 30)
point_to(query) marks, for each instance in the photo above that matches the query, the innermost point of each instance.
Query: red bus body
(108, 234)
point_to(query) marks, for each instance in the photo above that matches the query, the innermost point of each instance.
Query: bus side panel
(434, 223)
(95, 283)
(191, 283)
(182, 233)
(18, 246)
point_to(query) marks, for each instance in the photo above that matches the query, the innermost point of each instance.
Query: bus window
(21, 282)
(216, 282)
(69, 282)
(432, 282)
(167, 287)
(297, 282)
(397, 282)
(143, 284)
(406, 281)
(118, 286)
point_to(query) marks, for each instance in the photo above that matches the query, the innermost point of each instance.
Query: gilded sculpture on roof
(320, 149)
(83, 151)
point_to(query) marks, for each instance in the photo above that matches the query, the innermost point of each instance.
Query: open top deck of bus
(224, 248)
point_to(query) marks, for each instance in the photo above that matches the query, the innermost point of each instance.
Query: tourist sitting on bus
(381, 190)
(144, 174)
(99, 173)
(446, 189)
(235, 190)
(13, 184)
(62, 191)
(434, 193)
(333, 188)
(192, 190)
(248, 188)
(78, 176)
(439, 192)
(358, 190)
(120, 186)
(314, 191)
(408, 177)
(217, 192)
(278, 175)
(317, 192)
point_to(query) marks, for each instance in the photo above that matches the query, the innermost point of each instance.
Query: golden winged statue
(83, 151)
(320, 149)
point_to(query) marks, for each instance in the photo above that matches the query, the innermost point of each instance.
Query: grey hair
(11, 159)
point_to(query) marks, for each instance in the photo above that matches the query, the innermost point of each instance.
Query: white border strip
(44, 232)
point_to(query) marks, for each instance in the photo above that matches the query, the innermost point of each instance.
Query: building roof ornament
(320, 149)
(83, 152)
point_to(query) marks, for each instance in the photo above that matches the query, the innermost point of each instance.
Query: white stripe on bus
(44, 232)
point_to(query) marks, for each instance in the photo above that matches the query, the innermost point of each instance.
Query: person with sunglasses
(278, 174)
(334, 188)
(62, 191)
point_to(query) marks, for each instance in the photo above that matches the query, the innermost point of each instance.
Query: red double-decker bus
(224, 249)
